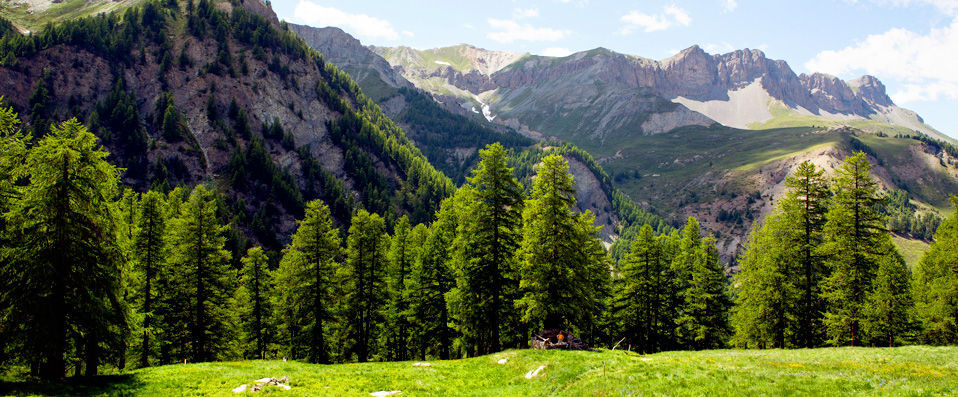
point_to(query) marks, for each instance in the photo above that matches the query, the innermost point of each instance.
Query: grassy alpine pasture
(902, 371)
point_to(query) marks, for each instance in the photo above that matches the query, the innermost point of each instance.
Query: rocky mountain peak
(870, 89)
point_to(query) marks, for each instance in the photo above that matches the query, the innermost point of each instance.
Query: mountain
(450, 135)
(221, 93)
(600, 94)
(710, 136)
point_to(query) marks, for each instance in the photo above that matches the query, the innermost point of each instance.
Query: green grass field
(914, 370)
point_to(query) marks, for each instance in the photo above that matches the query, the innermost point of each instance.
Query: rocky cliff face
(349, 54)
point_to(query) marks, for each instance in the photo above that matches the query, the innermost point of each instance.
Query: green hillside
(914, 370)
(25, 17)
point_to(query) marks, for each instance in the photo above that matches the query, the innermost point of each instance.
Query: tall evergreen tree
(303, 283)
(803, 210)
(768, 287)
(257, 285)
(565, 273)
(363, 283)
(198, 252)
(405, 245)
(686, 254)
(704, 322)
(433, 278)
(852, 243)
(488, 241)
(149, 251)
(641, 292)
(62, 268)
(936, 285)
(889, 304)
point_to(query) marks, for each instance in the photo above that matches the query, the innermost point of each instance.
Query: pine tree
(936, 285)
(564, 270)
(363, 283)
(303, 284)
(197, 250)
(257, 287)
(488, 241)
(149, 245)
(803, 210)
(61, 271)
(852, 242)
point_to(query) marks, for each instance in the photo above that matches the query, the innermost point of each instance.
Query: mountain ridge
(691, 75)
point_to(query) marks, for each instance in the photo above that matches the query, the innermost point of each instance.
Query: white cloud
(520, 13)
(556, 52)
(508, 31)
(924, 64)
(730, 5)
(949, 7)
(669, 17)
(360, 24)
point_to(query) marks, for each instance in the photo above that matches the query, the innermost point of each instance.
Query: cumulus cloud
(508, 31)
(730, 5)
(925, 64)
(520, 13)
(359, 24)
(556, 52)
(670, 16)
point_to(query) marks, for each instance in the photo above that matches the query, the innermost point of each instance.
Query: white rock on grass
(385, 393)
(502, 361)
(534, 373)
(422, 365)
(240, 389)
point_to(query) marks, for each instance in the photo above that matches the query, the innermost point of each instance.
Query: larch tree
(889, 304)
(363, 284)
(303, 283)
(488, 240)
(432, 278)
(198, 250)
(803, 211)
(149, 244)
(853, 235)
(704, 322)
(767, 292)
(640, 292)
(61, 272)
(404, 249)
(936, 285)
(257, 286)
(564, 269)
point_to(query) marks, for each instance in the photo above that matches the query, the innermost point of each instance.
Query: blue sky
(911, 45)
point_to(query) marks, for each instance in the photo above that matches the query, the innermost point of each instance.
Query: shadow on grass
(81, 386)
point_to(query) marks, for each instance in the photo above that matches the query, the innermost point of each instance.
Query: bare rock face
(349, 54)
(871, 90)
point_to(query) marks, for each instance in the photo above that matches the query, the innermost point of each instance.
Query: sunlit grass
(915, 370)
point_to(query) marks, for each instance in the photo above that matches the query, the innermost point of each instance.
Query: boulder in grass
(385, 393)
(240, 389)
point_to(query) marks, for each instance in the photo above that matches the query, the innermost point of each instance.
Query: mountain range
(696, 134)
